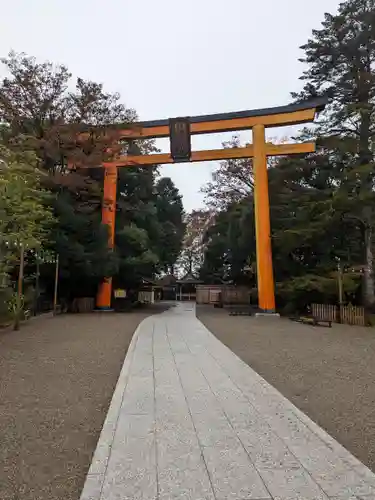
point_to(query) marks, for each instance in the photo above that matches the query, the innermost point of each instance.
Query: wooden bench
(241, 310)
(312, 320)
(316, 321)
(322, 322)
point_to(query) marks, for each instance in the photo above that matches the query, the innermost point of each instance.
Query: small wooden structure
(187, 287)
(146, 297)
(166, 287)
(146, 292)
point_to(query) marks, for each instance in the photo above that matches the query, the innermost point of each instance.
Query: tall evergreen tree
(170, 216)
(340, 61)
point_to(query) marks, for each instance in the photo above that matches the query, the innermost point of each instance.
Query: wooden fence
(326, 312)
(83, 305)
(347, 315)
(228, 294)
(206, 293)
(353, 315)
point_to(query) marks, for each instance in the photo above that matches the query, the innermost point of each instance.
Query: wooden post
(19, 289)
(56, 285)
(266, 287)
(37, 290)
(340, 283)
(341, 290)
(103, 299)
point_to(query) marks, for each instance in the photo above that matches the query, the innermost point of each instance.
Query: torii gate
(179, 130)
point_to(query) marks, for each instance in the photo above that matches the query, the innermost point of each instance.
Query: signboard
(180, 139)
(120, 294)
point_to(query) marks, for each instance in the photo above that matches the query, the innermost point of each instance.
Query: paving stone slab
(131, 471)
(185, 484)
(233, 475)
(93, 487)
(291, 484)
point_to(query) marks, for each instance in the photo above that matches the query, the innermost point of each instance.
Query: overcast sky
(172, 57)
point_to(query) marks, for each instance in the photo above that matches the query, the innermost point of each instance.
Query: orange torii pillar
(104, 297)
(266, 286)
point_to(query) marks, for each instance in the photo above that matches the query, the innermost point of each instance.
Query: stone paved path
(189, 420)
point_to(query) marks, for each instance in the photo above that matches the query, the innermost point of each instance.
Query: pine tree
(170, 216)
(340, 61)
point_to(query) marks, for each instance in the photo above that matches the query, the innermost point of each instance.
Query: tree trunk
(365, 159)
(368, 276)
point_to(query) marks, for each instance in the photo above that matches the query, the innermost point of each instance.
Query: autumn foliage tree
(193, 244)
(231, 181)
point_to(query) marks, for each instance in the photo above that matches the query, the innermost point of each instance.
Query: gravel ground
(329, 373)
(57, 376)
